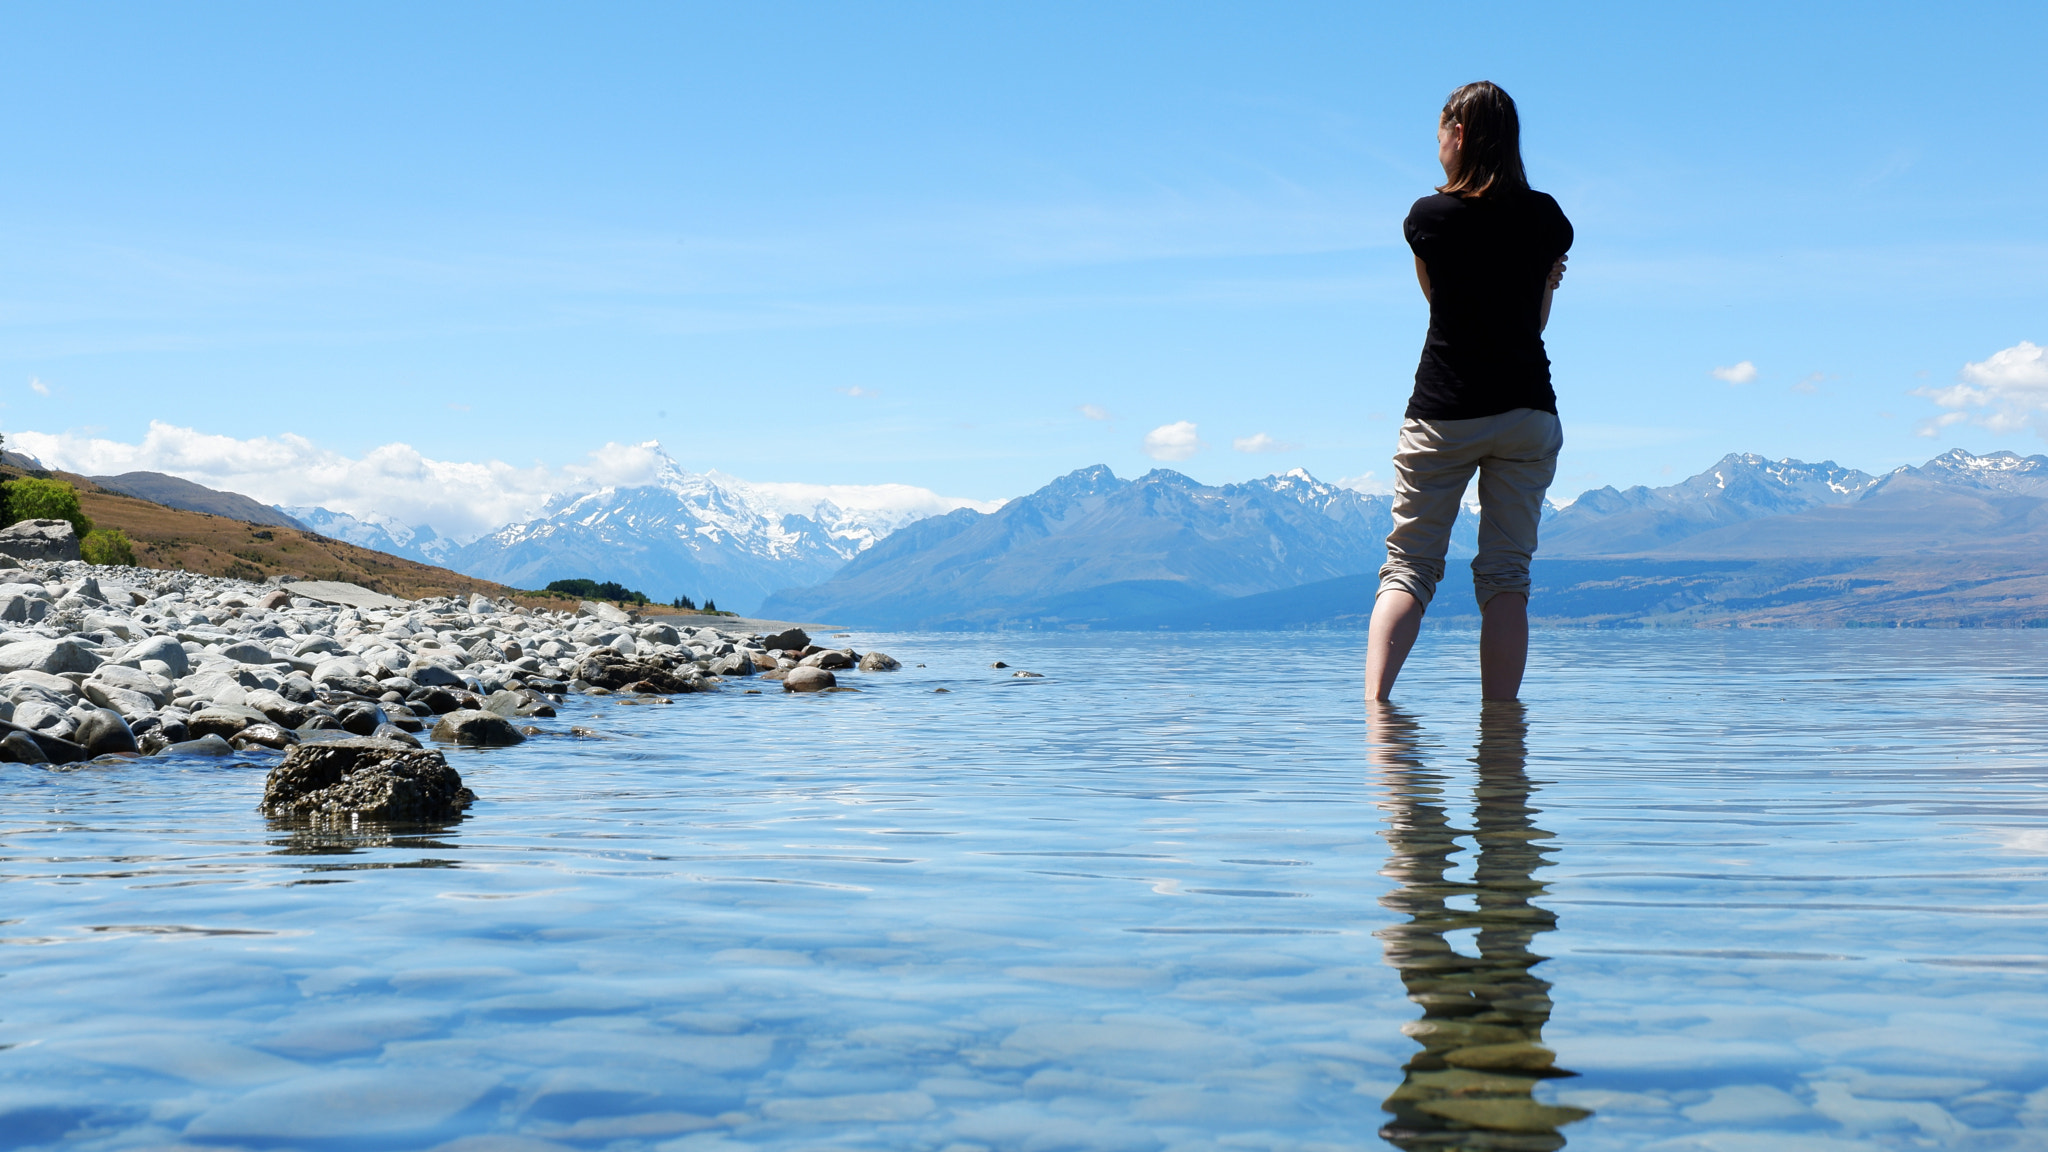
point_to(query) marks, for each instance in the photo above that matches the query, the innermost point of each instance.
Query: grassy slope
(173, 538)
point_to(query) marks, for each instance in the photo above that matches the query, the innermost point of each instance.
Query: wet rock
(505, 702)
(21, 748)
(802, 679)
(221, 721)
(793, 640)
(474, 726)
(435, 700)
(39, 540)
(999, 664)
(739, 663)
(433, 676)
(1027, 675)
(211, 745)
(102, 732)
(395, 733)
(298, 690)
(830, 659)
(264, 736)
(364, 779)
(879, 662)
(55, 749)
(360, 718)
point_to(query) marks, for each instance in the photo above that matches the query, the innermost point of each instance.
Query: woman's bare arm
(1422, 277)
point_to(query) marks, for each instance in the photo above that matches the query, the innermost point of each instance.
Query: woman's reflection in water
(1482, 1017)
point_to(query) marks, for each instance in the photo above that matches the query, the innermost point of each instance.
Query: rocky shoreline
(134, 662)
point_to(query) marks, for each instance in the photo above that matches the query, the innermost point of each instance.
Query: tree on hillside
(33, 499)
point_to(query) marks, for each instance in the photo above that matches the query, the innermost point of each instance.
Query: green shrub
(107, 546)
(33, 499)
(592, 590)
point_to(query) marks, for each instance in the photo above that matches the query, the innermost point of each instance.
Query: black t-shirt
(1488, 259)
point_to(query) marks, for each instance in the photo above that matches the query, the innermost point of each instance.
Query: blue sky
(933, 243)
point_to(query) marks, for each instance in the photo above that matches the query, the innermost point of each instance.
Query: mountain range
(1957, 540)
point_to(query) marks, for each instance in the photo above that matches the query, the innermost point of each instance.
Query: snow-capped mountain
(1741, 487)
(383, 533)
(703, 536)
(1090, 546)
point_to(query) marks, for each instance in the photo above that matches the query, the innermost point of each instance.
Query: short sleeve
(1560, 229)
(1422, 228)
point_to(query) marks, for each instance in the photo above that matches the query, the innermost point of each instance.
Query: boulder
(474, 726)
(505, 703)
(129, 704)
(224, 721)
(338, 669)
(264, 736)
(298, 690)
(315, 644)
(39, 715)
(793, 640)
(39, 540)
(808, 679)
(396, 734)
(248, 652)
(344, 781)
(103, 731)
(21, 748)
(733, 664)
(54, 656)
(275, 600)
(288, 713)
(436, 700)
(433, 676)
(361, 719)
(209, 745)
(830, 659)
(161, 648)
(57, 687)
(879, 662)
(604, 612)
(55, 749)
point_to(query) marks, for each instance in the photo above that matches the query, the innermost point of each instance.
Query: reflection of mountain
(1482, 1021)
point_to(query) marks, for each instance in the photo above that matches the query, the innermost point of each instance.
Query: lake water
(1721, 891)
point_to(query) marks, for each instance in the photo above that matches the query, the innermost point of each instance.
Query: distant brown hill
(175, 492)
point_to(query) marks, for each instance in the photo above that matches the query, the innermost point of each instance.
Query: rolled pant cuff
(1484, 590)
(1420, 585)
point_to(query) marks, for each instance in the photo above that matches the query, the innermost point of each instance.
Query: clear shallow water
(1757, 890)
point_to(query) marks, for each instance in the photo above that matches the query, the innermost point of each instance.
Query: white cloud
(1176, 441)
(1741, 373)
(1260, 442)
(1368, 483)
(459, 499)
(898, 504)
(2005, 392)
(1093, 411)
(859, 393)
(38, 387)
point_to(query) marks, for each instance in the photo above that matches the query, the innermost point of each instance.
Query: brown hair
(1491, 160)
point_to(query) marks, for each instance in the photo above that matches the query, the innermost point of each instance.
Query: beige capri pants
(1515, 454)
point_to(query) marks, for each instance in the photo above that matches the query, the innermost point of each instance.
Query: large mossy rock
(342, 781)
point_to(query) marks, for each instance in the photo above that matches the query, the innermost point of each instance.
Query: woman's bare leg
(1503, 645)
(1396, 619)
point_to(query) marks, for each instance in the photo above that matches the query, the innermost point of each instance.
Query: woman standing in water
(1489, 251)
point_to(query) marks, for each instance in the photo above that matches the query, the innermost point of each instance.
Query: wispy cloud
(1176, 441)
(1093, 411)
(2006, 391)
(1260, 442)
(859, 393)
(38, 387)
(460, 499)
(1368, 483)
(1742, 373)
